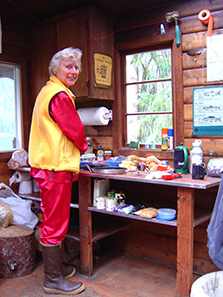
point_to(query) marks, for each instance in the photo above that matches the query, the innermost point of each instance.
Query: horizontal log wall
(195, 76)
(154, 242)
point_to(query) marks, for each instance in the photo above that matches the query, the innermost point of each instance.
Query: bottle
(170, 139)
(90, 148)
(100, 154)
(164, 139)
(196, 154)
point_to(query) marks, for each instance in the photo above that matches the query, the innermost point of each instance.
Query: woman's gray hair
(70, 52)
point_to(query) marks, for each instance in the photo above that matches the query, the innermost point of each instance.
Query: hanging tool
(174, 16)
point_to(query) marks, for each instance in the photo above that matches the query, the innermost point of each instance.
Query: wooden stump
(17, 251)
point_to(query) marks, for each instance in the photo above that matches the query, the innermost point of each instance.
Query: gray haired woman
(57, 138)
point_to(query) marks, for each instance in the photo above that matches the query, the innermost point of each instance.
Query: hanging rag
(215, 230)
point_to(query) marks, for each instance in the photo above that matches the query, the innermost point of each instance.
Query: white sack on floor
(21, 208)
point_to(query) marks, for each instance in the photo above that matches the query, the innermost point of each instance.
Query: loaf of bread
(148, 213)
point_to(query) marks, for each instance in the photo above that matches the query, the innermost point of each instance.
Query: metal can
(120, 198)
(111, 194)
(164, 136)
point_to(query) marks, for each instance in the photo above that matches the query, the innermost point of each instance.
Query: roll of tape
(206, 18)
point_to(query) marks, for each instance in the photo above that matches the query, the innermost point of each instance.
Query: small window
(10, 107)
(149, 106)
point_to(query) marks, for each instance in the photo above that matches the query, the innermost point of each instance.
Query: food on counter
(152, 159)
(133, 163)
(149, 212)
(134, 158)
(128, 165)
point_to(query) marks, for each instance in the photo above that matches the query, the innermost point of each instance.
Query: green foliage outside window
(149, 95)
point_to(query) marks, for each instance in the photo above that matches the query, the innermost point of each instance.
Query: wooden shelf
(31, 196)
(99, 233)
(200, 216)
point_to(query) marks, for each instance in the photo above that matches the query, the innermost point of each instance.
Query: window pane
(148, 66)
(147, 128)
(150, 97)
(9, 110)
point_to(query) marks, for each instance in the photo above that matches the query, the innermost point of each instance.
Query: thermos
(196, 154)
(181, 159)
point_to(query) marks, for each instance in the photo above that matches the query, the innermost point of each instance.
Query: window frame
(125, 84)
(145, 44)
(24, 124)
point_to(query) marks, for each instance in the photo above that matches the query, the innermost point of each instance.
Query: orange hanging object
(205, 17)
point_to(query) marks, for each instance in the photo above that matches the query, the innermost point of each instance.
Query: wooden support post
(85, 222)
(185, 240)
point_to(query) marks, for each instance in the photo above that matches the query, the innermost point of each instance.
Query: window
(10, 107)
(148, 91)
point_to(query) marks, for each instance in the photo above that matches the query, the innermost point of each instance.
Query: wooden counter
(185, 223)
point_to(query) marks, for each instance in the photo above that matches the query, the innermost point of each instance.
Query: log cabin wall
(139, 28)
(143, 240)
(15, 49)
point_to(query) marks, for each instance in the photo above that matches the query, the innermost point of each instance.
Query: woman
(57, 138)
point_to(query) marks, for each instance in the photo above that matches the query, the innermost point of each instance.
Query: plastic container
(164, 139)
(167, 214)
(107, 155)
(100, 154)
(170, 139)
(196, 154)
(210, 284)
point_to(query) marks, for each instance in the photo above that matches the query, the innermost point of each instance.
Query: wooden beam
(185, 240)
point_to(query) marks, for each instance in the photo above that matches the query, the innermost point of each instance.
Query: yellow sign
(103, 70)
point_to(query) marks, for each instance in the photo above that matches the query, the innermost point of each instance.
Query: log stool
(17, 251)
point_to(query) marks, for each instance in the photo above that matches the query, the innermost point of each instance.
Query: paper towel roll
(25, 187)
(19, 176)
(95, 116)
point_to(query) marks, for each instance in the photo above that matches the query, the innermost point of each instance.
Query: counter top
(184, 181)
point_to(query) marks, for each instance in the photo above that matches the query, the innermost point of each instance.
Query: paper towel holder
(95, 116)
(108, 115)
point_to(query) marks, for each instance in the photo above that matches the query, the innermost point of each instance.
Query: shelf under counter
(99, 232)
(32, 196)
(36, 197)
(200, 216)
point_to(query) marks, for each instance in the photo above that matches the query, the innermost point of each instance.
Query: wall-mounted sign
(102, 70)
(208, 111)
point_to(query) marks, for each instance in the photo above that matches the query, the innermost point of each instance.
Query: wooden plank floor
(114, 276)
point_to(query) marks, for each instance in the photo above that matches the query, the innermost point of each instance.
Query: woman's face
(68, 72)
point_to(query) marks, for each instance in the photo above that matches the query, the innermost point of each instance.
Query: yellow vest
(49, 148)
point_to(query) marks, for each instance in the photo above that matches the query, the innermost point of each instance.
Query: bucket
(210, 284)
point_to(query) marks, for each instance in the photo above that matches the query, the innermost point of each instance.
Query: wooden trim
(178, 107)
(143, 44)
(185, 240)
(23, 87)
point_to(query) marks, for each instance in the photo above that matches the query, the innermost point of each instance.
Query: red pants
(55, 189)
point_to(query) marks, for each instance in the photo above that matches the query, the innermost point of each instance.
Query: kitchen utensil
(107, 170)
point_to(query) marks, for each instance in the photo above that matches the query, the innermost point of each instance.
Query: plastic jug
(196, 154)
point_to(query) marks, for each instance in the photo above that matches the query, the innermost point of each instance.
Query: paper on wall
(215, 57)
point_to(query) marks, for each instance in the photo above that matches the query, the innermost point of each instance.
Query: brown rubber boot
(68, 271)
(54, 282)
